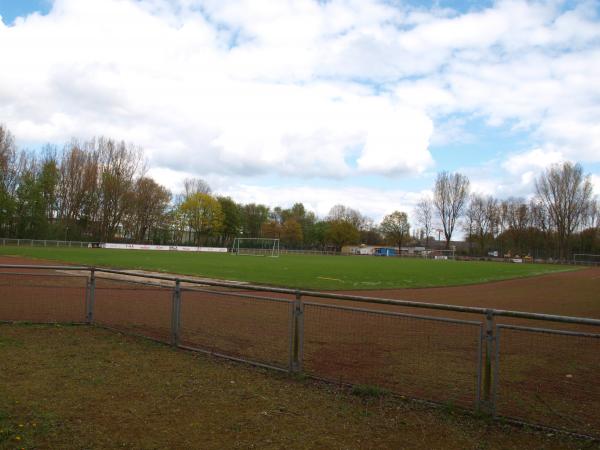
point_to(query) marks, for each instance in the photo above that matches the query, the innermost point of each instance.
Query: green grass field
(296, 271)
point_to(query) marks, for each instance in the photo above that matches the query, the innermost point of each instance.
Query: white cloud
(596, 185)
(119, 68)
(303, 88)
(372, 202)
(531, 161)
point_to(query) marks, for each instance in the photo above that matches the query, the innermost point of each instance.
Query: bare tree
(482, 213)
(566, 194)
(77, 189)
(148, 209)
(449, 198)
(193, 186)
(347, 214)
(424, 217)
(120, 165)
(594, 214)
(10, 162)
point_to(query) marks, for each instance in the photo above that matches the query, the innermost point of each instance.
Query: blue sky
(358, 102)
(11, 9)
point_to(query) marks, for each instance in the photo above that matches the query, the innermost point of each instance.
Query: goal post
(256, 247)
(586, 259)
(439, 254)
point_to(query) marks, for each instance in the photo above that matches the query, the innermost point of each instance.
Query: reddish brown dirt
(574, 293)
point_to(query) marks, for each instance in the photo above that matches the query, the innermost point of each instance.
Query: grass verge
(85, 387)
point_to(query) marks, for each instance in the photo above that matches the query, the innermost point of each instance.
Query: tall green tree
(232, 220)
(203, 215)
(395, 228)
(30, 208)
(253, 217)
(342, 232)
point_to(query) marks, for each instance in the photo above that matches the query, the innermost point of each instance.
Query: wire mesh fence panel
(238, 325)
(549, 377)
(424, 358)
(42, 297)
(134, 308)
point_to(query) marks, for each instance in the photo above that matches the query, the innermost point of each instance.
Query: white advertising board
(175, 248)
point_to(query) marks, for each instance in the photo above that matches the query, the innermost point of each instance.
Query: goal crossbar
(586, 258)
(256, 247)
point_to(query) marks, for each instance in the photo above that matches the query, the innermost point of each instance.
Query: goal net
(256, 247)
(586, 258)
(439, 254)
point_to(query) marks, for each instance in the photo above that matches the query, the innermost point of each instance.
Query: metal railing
(41, 243)
(488, 360)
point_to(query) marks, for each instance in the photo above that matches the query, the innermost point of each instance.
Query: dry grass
(84, 387)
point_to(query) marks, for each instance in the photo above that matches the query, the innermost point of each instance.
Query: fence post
(176, 314)
(487, 369)
(297, 335)
(89, 310)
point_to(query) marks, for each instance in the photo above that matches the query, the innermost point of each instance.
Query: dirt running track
(574, 293)
(543, 377)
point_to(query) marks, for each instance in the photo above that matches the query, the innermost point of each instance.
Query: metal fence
(41, 243)
(486, 360)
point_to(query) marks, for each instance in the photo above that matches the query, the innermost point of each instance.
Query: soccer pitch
(296, 271)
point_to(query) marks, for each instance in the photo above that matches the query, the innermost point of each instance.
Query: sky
(358, 102)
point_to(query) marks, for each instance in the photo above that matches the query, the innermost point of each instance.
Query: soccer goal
(586, 258)
(439, 254)
(256, 247)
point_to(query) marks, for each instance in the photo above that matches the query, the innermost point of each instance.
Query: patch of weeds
(6, 341)
(300, 377)
(15, 433)
(366, 413)
(366, 391)
(449, 408)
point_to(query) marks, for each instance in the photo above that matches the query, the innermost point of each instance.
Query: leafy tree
(30, 207)
(395, 228)
(203, 215)
(232, 220)
(291, 232)
(271, 229)
(341, 232)
(254, 215)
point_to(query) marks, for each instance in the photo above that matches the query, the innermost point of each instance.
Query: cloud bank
(305, 89)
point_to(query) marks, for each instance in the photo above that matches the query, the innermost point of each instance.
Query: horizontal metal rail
(394, 314)
(549, 331)
(238, 295)
(232, 358)
(29, 266)
(33, 274)
(346, 297)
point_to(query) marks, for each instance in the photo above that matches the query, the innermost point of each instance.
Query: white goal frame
(586, 258)
(440, 254)
(270, 247)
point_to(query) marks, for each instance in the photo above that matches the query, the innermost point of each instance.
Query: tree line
(98, 190)
(561, 218)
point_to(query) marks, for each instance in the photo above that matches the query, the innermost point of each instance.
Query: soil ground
(77, 387)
